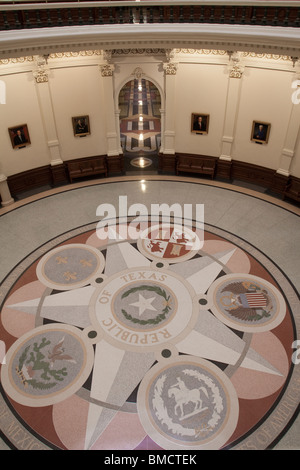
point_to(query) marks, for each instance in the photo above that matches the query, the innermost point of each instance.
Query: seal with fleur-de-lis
(70, 266)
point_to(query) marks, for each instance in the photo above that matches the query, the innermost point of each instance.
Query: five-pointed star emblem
(144, 304)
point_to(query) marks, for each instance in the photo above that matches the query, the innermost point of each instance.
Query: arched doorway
(140, 124)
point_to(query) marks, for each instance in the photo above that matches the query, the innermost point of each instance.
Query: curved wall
(234, 90)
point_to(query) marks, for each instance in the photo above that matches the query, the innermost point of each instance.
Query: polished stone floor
(265, 228)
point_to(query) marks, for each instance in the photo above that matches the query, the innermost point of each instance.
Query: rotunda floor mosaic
(150, 343)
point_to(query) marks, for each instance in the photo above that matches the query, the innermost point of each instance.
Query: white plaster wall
(77, 91)
(200, 88)
(21, 107)
(265, 96)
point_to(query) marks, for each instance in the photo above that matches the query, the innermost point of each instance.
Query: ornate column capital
(170, 68)
(236, 70)
(107, 70)
(41, 73)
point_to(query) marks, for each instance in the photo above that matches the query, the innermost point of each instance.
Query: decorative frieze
(256, 55)
(201, 51)
(148, 52)
(18, 60)
(62, 55)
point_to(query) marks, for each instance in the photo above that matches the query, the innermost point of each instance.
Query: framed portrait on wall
(81, 126)
(199, 123)
(19, 136)
(260, 132)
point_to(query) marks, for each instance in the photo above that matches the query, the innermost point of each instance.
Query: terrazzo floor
(123, 374)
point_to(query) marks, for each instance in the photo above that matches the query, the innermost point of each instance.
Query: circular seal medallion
(141, 308)
(188, 404)
(169, 242)
(153, 350)
(47, 365)
(247, 303)
(145, 306)
(70, 266)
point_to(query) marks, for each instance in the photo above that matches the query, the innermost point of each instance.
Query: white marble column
(162, 130)
(233, 93)
(41, 75)
(5, 192)
(112, 134)
(170, 69)
(117, 124)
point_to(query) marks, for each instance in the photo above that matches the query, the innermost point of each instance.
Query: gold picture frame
(199, 123)
(19, 136)
(260, 132)
(81, 126)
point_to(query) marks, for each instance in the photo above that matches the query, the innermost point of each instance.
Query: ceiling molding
(259, 39)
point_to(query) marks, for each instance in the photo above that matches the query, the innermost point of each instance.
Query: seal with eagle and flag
(247, 303)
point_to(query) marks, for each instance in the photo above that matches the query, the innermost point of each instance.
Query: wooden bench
(196, 164)
(87, 167)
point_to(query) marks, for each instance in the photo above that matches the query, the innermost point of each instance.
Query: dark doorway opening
(140, 126)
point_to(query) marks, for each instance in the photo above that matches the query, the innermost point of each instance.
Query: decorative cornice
(56, 55)
(148, 51)
(140, 52)
(62, 55)
(200, 51)
(256, 55)
(248, 38)
(17, 60)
